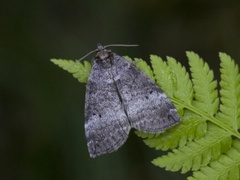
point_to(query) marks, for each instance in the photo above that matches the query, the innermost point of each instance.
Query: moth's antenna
(123, 45)
(88, 54)
(110, 45)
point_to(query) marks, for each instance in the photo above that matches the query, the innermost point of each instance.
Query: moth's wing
(147, 106)
(106, 124)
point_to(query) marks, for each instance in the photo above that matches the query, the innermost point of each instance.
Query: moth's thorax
(104, 57)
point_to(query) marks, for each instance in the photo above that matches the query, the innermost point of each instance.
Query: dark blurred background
(42, 106)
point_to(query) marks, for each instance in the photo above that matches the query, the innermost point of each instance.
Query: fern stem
(207, 117)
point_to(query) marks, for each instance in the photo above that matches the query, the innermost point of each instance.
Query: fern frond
(198, 153)
(76, 68)
(164, 77)
(207, 140)
(141, 64)
(226, 167)
(128, 58)
(184, 90)
(205, 88)
(192, 127)
(230, 92)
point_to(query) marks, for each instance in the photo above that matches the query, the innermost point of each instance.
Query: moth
(119, 97)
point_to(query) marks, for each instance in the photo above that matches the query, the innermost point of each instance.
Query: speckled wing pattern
(119, 97)
(147, 106)
(106, 124)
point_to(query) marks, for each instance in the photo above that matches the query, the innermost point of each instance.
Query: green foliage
(76, 68)
(205, 88)
(230, 92)
(206, 141)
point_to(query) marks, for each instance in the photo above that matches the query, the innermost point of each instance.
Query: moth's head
(102, 52)
(104, 56)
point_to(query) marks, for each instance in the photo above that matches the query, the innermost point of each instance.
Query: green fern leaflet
(207, 141)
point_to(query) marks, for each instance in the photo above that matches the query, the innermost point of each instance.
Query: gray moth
(119, 97)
